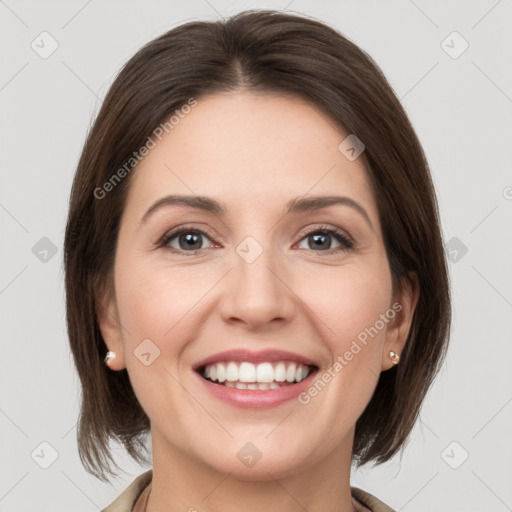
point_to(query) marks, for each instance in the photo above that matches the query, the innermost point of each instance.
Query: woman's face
(260, 290)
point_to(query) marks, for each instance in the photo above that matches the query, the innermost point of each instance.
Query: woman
(255, 274)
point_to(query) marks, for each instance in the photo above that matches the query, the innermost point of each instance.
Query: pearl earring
(394, 357)
(110, 355)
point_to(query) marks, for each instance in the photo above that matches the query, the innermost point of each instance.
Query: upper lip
(254, 356)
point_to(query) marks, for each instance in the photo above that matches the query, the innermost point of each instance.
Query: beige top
(135, 497)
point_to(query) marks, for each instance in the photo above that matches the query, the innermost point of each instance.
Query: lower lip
(253, 398)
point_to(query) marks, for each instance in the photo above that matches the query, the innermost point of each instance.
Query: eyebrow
(297, 205)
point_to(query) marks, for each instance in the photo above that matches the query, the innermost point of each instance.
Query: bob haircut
(277, 53)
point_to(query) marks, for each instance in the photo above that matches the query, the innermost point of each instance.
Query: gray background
(462, 110)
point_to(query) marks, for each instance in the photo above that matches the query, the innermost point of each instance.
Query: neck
(184, 483)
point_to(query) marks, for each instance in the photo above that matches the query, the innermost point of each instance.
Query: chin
(261, 459)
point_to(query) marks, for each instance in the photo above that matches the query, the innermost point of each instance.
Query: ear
(404, 304)
(109, 324)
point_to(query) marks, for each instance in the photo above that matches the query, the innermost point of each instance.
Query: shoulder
(126, 500)
(369, 501)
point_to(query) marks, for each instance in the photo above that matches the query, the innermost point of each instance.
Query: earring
(110, 355)
(394, 357)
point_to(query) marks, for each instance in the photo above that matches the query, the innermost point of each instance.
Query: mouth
(256, 379)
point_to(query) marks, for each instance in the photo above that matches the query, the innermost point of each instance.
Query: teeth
(221, 372)
(231, 372)
(280, 372)
(300, 373)
(246, 375)
(265, 372)
(290, 372)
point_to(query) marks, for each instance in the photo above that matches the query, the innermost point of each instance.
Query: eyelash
(347, 242)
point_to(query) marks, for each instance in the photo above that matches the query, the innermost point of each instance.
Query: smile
(255, 379)
(262, 376)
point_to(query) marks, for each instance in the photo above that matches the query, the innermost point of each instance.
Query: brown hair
(278, 53)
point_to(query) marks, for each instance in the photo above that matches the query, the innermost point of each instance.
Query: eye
(191, 240)
(185, 240)
(320, 240)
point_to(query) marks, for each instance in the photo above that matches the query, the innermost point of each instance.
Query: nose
(256, 293)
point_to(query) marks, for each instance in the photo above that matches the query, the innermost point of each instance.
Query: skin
(253, 153)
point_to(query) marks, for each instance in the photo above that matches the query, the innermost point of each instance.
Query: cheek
(350, 303)
(156, 310)
(158, 303)
(152, 298)
(349, 300)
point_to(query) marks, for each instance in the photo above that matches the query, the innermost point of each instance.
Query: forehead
(252, 149)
